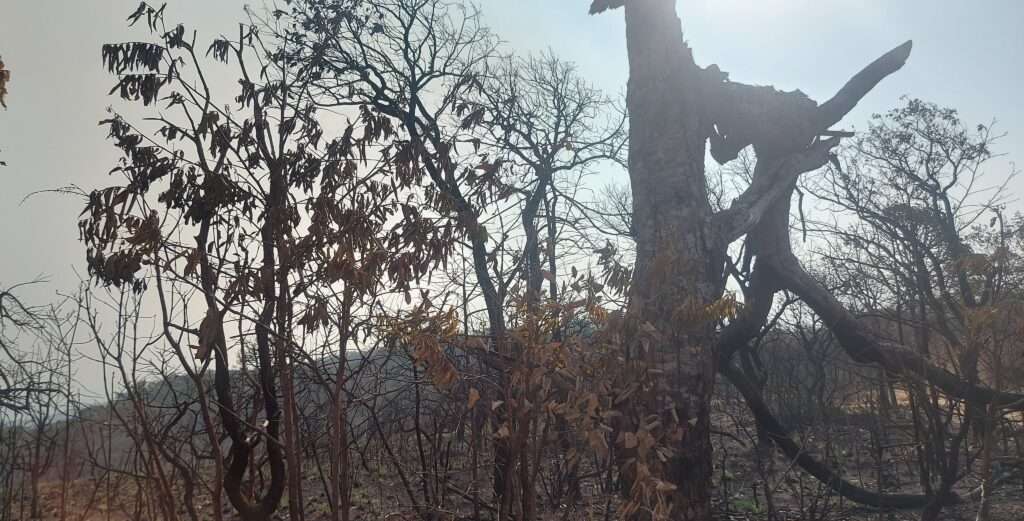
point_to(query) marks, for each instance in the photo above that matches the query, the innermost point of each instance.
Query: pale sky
(967, 55)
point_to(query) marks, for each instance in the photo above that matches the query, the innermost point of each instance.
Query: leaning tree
(678, 331)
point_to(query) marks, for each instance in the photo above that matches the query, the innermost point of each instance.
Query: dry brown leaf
(5, 76)
(209, 329)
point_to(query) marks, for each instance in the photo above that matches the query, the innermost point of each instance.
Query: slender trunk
(283, 347)
(340, 488)
(550, 205)
(988, 439)
(291, 437)
(991, 419)
(34, 476)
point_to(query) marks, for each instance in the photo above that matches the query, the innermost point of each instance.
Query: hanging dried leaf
(209, 329)
(5, 76)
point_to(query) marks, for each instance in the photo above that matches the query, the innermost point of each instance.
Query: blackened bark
(675, 107)
(678, 263)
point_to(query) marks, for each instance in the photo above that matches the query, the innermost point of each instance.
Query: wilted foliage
(367, 279)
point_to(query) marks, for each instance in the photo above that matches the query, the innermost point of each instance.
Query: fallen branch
(780, 438)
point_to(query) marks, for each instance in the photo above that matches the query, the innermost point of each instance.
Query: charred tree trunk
(675, 108)
(678, 263)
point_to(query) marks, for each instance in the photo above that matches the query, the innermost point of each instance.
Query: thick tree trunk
(674, 108)
(678, 264)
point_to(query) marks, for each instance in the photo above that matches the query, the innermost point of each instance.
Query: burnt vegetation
(372, 276)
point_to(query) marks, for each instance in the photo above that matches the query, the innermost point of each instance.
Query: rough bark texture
(678, 262)
(675, 107)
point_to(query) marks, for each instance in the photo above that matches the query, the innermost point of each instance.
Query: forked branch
(785, 129)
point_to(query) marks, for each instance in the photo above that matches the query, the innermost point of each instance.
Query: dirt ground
(741, 479)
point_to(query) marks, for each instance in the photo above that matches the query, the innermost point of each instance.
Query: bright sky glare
(966, 55)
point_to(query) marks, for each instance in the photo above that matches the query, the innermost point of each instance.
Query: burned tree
(676, 107)
(209, 209)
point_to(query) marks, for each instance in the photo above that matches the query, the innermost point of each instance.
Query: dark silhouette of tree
(373, 252)
(675, 109)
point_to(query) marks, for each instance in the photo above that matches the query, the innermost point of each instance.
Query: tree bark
(674, 108)
(678, 265)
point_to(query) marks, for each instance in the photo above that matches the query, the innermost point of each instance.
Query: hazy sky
(966, 55)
